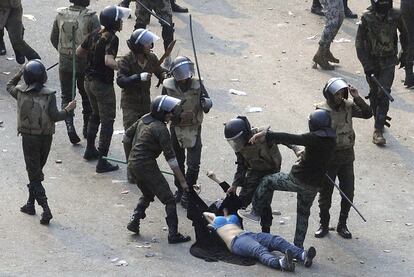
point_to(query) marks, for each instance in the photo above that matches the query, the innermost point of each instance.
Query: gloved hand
(145, 76)
(206, 104)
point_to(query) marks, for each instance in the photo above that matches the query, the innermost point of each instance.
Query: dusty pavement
(267, 47)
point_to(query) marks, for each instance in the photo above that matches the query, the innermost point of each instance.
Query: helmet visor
(168, 103)
(146, 38)
(336, 85)
(122, 13)
(183, 70)
(237, 142)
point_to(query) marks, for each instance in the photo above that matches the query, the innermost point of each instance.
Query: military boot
(348, 12)
(317, 8)
(139, 213)
(322, 59)
(104, 166)
(176, 8)
(172, 222)
(343, 231)
(331, 57)
(29, 207)
(91, 153)
(378, 137)
(73, 136)
(85, 125)
(409, 75)
(40, 196)
(20, 58)
(2, 47)
(324, 224)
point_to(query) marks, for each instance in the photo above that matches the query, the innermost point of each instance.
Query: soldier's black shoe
(46, 217)
(28, 208)
(286, 263)
(2, 47)
(20, 59)
(310, 254)
(133, 225)
(178, 9)
(91, 153)
(177, 238)
(343, 231)
(184, 200)
(265, 229)
(104, 166)
(317, 10)
(349, 13)
(73, 137)
(322, 231)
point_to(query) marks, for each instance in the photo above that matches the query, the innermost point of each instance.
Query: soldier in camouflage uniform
(317, 9)
(186, 131)
(342, 111)
(407, 11)
(334, 17)
(377, 47)
(134, 77)
(254, 161)
(101, 48)
(147, 138)
(305, 177)
(11, 12)
(174, 6)
(36, 116)
(79, 21)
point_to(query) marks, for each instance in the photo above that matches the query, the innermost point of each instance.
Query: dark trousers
(378, 100)
(36, 150)
(345, 173)
(66, 88)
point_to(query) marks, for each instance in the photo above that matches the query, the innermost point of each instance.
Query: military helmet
(34, 73)
(112, 16)
(333, 86)
(139, 38)
(320, 123)
(164, 104)
(82, 3)
(182, 68)
(237, 132)
(381, 6)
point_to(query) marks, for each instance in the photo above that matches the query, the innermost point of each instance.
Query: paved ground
(268, 48)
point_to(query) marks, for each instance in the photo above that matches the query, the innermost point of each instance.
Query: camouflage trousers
(162, 8)
(379, 102)
(334, 16)
(285, 182)
(130, 116)
(36, 149)
(102, 99)
(11, 19)
(66, 88)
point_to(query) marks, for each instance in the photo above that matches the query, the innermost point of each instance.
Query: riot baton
(52, 66)
(382, 88)
(154, 14)
(124, 162)
(73, 63)
(195, 58)
(344, 196)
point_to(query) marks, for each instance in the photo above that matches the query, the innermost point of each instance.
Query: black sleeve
(285, 138)
(240, 175)
(361, 46)
(360, 109)
(54, 114)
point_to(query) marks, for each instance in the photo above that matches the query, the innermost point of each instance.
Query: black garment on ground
(208, 245)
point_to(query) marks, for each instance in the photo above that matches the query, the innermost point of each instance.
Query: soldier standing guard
(70, 28)
(134, 77)
(342, 111)
(407, 11)
(101, 48)
(11, 12)
(377, 47)
(186, 131)
(36, 116)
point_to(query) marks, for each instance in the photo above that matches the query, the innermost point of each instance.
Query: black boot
(40, 196)
(176, 8)
(343, 231)
(2, 46)
(91, 153)
(324, 224)
(85, 125)
(105, 137)
(172, 221)
(29, 207)
(104, 166)
(265, 229)
(409, 75)
(317, 8)
(348, 12)
(139, 213)
(73, 136)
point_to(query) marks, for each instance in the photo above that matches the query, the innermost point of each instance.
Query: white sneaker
(250, 215)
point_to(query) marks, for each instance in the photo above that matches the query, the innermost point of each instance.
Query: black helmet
(381, 6)
(237, 132)
(139, 38)
(182, 68)
(333, 86)
(112, 16)
(164, 104)
(34, 74)
(82, 3)
(320, 123)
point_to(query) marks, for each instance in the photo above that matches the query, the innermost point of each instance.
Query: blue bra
(220, 221)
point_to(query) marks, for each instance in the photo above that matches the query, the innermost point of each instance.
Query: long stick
(124, 162)
(344, 196)
(154, 14)
(73, 63)
(382, 88)
(52, 66)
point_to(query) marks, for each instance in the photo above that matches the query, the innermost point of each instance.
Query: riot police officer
(186, 131)
(70, 28)
(37, 114)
